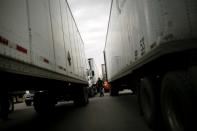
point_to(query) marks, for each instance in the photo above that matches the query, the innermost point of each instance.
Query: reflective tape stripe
(46, 61)
(21, 49)
(11, 45)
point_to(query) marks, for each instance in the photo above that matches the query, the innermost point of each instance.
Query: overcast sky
(92, 17)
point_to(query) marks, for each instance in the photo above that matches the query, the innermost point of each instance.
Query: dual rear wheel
(173, 102)
(81, 97)
(6, 105)
(44, 101)
(176, 101)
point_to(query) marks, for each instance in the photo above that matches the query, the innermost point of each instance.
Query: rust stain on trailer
(69, 58)
(3, 41)
(153, 45)
(120, 5)
(136, 54)
(169, 37)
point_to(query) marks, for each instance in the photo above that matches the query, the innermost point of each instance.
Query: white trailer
(41, 49)
(151, 48)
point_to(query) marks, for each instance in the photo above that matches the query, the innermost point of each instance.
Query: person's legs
(100, 90)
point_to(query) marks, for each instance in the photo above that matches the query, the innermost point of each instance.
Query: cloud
(91, 17)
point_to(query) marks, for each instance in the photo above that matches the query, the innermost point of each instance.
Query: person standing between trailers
(100, 86)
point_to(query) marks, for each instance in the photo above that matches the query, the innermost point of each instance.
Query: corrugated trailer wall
(58, 36)
(42, 33)
(137, 27)
(76, 47)
(14, 33)
(66, 30)
(72, 54)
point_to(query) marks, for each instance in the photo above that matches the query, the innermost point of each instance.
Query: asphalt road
(102, 114)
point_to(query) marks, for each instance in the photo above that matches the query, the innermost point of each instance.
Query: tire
(81, 97)
(176, 102)
(11, 105)
(147, 101)
(28, 103)
(43, 103)
(4, 106)
(139, 101)
(90, 92)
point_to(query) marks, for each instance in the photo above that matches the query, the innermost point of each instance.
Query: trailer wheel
(81, 97)
(176, 101)
(28, 103)
(11, 104)
(85, 96)
(90, 92)
(43, 103)
(4, 106)
(147, 101)
(139, 101)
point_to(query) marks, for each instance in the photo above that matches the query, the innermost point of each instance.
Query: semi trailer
(41, 50)
(92, 77)
(151, 48)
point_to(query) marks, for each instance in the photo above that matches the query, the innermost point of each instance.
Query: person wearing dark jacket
(100, 86)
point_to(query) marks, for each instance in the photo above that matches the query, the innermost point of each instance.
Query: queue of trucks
(41, 50)
(151, 48)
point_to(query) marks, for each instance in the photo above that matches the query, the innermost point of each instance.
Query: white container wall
(58, 36)
(42, 33)
(65, 22)
(14, 33)
(136, 27)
